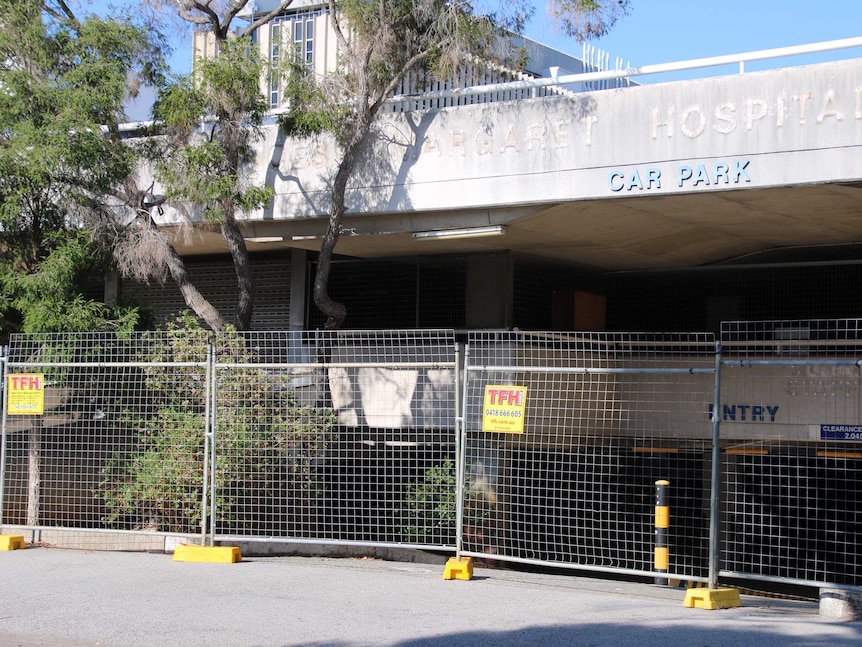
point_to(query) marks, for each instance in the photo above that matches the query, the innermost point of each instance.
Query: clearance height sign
(504, 409)
(26, 395)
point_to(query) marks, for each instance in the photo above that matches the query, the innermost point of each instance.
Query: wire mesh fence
(605, 415)
(317, 436)
(793, 460)
(114, 440)
(353, 437)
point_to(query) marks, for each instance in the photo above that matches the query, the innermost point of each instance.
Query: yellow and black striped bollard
(662, 525)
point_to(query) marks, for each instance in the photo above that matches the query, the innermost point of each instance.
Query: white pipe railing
(588, 77)
(714, 61)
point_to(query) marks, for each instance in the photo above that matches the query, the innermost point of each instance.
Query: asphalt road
(67, 598)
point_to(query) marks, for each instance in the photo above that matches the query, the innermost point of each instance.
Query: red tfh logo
(506, 396)
(25, 382)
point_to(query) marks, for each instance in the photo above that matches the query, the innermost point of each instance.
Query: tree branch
(265, 19)
(343, 44)
(65, 13)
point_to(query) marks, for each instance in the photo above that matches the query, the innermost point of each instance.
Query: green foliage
(267, 442)
(62, 87)
(230, 82)
(587, 19)
(207, 170)
(311, 110)
(179, 105)
(431, 506)
(48, 299)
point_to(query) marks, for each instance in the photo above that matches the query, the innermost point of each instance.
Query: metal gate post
(458, 568)
(208, 449)
(715, 481)
(460, 449)
(212, 374)
(714, 597)
(3, 355)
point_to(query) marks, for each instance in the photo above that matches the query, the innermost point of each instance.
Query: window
(303, 39)
(299, 25)
(274, 58)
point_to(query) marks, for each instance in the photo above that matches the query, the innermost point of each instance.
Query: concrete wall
(793, 126)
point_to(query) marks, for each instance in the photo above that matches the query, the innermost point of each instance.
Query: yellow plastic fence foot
(712, 598)
(211, 554)
(11, 542)
(459, 569)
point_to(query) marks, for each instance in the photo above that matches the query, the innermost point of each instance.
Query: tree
(380, 43)
(203, 170)
(585, 19)
(62, 80)
(268, 442)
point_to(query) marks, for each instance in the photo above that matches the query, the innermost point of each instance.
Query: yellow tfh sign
(26, 395)
(504, 409)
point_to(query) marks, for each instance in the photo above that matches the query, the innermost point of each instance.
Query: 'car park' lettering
(649, 178)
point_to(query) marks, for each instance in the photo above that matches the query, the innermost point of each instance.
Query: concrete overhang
(668, 176)
(603, 235)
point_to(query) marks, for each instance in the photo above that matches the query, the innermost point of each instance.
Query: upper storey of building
(305, 30)
(677, 174)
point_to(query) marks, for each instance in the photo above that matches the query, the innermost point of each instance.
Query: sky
(666, 31)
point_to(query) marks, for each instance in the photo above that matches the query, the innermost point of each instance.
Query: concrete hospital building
(569, 198)
(595, 205)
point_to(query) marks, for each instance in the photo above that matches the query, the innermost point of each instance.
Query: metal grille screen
(217, 282)
(427, 293)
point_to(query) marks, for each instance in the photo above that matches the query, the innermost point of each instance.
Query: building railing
(555, 84)
(634, 72)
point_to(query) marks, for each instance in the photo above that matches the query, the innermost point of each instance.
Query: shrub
(431, 506)
(266, 442)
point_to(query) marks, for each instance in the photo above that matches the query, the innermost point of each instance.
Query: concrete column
(490, 291)
(112, 288)
(298, 276)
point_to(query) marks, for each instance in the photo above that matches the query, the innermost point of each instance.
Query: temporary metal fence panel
(337, 437)
(353, 437)
(791, 429)
(107, 432)
(605, 416)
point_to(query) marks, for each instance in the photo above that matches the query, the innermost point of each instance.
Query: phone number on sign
(503, 413)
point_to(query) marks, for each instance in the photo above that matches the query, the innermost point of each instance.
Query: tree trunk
(193, 298)
(336, 312)
(176, 267)
(242, 264)
(34, 481)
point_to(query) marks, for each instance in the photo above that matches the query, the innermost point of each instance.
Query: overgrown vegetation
(431, 506)
(63, 84)
(266, 441)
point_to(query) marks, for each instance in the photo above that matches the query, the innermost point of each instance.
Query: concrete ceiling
(670, 231)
